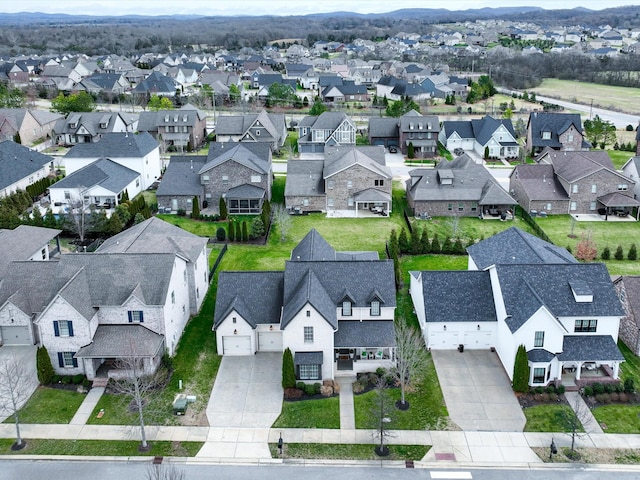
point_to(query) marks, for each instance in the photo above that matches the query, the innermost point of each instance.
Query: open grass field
(618, 157)
(622, 99)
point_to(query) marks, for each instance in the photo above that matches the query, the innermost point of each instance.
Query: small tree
(282, 221)
(435, 244)
(415, 241)
(221, 234)
(44, 366)
(586, 250)
(223, 209)
(403, 242)
(633, 253)
(575, 420)
(195, 207)
(619, 255)
(447, 247)
(16, 386)
(425, 243)
(257, 228)
(606, 254)
(245, 231)
(521, 371)
(288, 369)
(239, 232)
(393, 244)
(411, 358)
(231, 230)
(381, 416)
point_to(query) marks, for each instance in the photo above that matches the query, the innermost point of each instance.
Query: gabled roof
(304, 178)
(155, 236)
(457, 296)
(305, 288)
(485, 127)
(240, 153)
(181, 176)
(157, 83)
(515, 246)
(338, 159)
(18, 162)
(116, 145)
(572, 166)
(122, 341)
(539, 182)
(104, 172)
(355, 333)
(324, 121)
(23, 242)
(526, 288)
(313, 247)
(555, 123)
(383, 127)
(576, 348)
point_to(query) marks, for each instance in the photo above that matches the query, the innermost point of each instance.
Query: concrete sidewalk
(88, 405)
(347, 412)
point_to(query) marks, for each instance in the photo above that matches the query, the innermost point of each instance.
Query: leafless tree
(576, 420)
(382, 415)
(411, 357)
(136, 382)
(16, 386)
(164, 472)
(282, 221)
(77, 218)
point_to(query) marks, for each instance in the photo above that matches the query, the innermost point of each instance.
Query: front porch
(363, 359)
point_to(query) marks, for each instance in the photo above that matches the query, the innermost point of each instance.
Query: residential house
(442, 86)
(20, 167)
(138, 152)
(560, 131)
(457, 188)
(419, 131)
(100, 184)
(157, 84)
(573, 182)
(265, 80)
(487, 137)
(348, 91)
(631, 170)
(348, 182)
(325, 130)
(30, 125)
(113, 84)
(261, 127)
(178, 130)
(28, 243)
(628, 289)
(565, 313)
(334, 310)
(88, 127)
(241, 173)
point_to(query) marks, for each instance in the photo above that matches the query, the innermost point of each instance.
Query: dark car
(393, 149)
(458, 151)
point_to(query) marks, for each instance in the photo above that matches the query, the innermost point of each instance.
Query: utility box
(180, 405)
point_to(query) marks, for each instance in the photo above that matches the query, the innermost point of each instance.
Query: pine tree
(403, 242)
(239, 232)
(223, 209)
(195, 211)
(606, 253)
(411, 151)
(447, 248)
(415, 241)
(425, 244)
(288, 369)
(435, 244)
(521, 371)
(231, 230)
(458, 249)
(393, 244)
(44, 366)
(633, 253)
(619, 255)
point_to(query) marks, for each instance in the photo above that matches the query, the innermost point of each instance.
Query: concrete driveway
(26, 355)
(247, 392)
(477, 391)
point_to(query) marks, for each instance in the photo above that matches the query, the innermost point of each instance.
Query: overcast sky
(273, 7)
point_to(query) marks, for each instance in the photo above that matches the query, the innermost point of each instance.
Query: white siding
(176, 313)
(228, 328)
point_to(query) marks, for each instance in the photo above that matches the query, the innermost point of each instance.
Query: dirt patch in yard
(619, 456)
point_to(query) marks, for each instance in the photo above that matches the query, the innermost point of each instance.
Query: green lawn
(619, 418)
(50, 405)
(348, 452)
(321, 413)
(611, 234)
(630, 368)
(547, 417)
(468, 228)
(619, 157)
(197, 227)
(427, 408)
(100, 448)
(196, 363)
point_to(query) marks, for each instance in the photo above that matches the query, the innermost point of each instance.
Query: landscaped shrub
(415, 241)
(458, 249)
(550, 389)
(300, 385)
(357, 387)
(633, 252)
(619, 255)
(239, 237)
(560, 389)
(608, 388)
(56, 379)
(310, 389)
(539, 390)
(623, 397)
(435, 244)
(86, 382)
(425, 243)
(380, 371)
(66, 379)
(44, 366)
(182, 212)
(403, 242)
(223, 209)
(629, 386)
(521, 370)
(603, 398)
(598, 388)
(606, 254)
(221, 234)
(615, 396)
(292, 393)
(447, 247)
(618, 388)
(288, 369)
(553, 397)
(231, 229)
(77, 379)
(588, 391)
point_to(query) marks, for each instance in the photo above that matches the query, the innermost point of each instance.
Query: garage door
(15, 335)
(236, 345)
(443, 340)
(269, 341)
(477, 339)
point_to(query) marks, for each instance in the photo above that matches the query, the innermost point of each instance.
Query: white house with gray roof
(138, 152)
(334, 310)
(524, 291)
(89, 127)
(20, 167)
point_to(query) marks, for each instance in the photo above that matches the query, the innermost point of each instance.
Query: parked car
(393, 149)
(458, 151)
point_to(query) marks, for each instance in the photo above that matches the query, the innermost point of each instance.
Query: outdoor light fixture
(552, 448)
(444, 328)
(478, 326)
(280, 443)
(235, 332)
(270, 327)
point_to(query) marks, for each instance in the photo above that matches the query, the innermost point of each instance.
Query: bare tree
(137, 382)
(576, 420)
(282, 221)
(16, 386)
(77, 218)
(411, 358)
(164, 472)
(382, 415)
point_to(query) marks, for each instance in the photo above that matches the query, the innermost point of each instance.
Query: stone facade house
(628, 289)
(178, 130)
(30, 125)
(559, 131)
(261, 127)
(315, 133)
(420, 131)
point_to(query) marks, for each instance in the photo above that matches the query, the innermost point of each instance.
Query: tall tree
(16, 386)
(159, 103)
(317, 108)
(411, 358)
(76, 102)
(288, 370)
(382, 416)
(282, 221)
(599, 131)
(521, 370)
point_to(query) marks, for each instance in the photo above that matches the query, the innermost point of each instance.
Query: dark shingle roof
(589, 348)
(116, 145)
(514, 246)
(242, 153)
(313, 247)
(308, 358)
(304, 178)
(556, 123)
(122, 341)
(23, 242)
(383, 127)
(539, 182)
(18, 162)
(375, 333)
(181, 176)
(104, 172)
(540, 355)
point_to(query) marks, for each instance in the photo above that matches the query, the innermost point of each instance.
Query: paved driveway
(477, 391)
(247, 392)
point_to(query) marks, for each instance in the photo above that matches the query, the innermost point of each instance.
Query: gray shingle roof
(539, 182)
(308, 358)
(241, 153)
(23, 242)
(375, 333)
(103, 172)
(245, 191)
(18, 162)
(616, 199)
(383, 127)
(122, 341)
(485, 127)
(573, 166)
(457, 296)
(556, 123)
(157, 84)
(116, 145)
(304, 178)
(338, 159)
(514, 246)
(540, 355)
(313, 247)
(526, 288)
(181, 176)
(589, 348)
(463, 128)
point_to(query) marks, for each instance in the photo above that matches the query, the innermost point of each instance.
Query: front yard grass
(317, 413)
(348, 452)
(547, 417)
(95, 448)
(619, 418)
(427, 408)
(49, 405)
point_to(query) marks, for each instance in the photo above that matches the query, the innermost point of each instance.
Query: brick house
(178, 130)
(420, 131)
(325, 130)
(558, 131)
(628, 289)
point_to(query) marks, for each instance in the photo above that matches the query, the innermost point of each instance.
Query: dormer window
(582, 293)
(166, 118)
(375, 308)
(346, 308)
(546, 135)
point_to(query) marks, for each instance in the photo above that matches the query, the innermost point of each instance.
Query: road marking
(452, 475)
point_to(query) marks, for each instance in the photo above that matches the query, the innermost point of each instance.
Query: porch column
(578, 370)
(616, 369)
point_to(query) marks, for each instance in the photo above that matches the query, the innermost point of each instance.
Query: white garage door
(15, 335)
(270, 341)
(443, 340)
(236, 345)
(477, 339)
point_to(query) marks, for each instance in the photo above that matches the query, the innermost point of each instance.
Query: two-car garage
(268, 341)
(451, 336)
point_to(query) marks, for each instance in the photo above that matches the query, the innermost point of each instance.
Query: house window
(63, 328)
(375, 308)
(173, 297)
(207, 196)
(330, 184)
(308, 313)
(305, 202)
(592, 206)
(309, 372)
(539, 340)
(66, 360)
(474, 207)
(255, 178)
(44, 253)
(546, 135)
(378, 183)
(549, 206)
(67, 195)
(585, 326)
(574, 206)
(225, 179)
(137, 182)
(136, 316)
(623, 187)
(350, 201)
(461, 207)
(346, 308)
(234, 320)
(449, 206)
(538, 375)
(308, 334)
(594, 188)
(574, 188)
(330, 202)
(570, 137)
(205, 179)
(349, 184)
